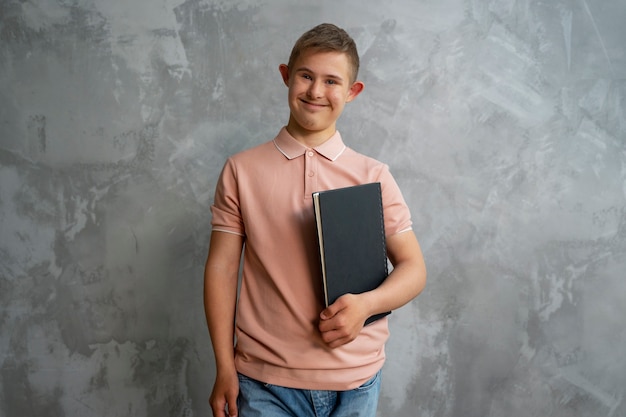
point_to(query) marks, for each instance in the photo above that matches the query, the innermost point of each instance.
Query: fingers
(226, 408)
(218, 410)
(336, 338)
(218, 407)
(232, 406)
(223, 399)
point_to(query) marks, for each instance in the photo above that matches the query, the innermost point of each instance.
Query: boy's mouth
(313, 104)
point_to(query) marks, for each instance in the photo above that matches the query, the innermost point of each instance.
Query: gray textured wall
(504, 122)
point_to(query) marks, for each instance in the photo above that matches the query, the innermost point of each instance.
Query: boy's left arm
(342, 321)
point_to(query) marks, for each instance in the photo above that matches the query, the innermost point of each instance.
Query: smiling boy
(292, 356)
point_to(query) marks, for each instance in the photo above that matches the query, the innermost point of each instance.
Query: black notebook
(351, 236)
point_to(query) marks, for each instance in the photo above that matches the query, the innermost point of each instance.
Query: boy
(293, 357)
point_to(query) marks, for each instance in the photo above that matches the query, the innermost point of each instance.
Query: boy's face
(320, 85)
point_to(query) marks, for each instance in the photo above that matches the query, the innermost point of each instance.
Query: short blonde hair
(327, 37)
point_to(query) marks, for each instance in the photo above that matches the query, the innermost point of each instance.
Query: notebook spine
(382, 230)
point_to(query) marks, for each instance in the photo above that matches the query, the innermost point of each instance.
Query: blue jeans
(260, 399)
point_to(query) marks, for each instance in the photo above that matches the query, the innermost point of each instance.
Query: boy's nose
(315, 90)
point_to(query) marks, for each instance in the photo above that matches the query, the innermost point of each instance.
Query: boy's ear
(355, 90)
(284, 72)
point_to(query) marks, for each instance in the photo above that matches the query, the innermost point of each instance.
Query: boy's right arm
(220, 297)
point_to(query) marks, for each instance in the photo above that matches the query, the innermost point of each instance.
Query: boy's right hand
(223, 399)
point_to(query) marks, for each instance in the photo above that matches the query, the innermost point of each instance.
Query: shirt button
(310, 153)
(311, 173)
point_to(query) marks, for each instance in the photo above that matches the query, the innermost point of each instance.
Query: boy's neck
(309, 138)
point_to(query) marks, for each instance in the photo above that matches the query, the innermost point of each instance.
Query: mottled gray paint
(504, 122)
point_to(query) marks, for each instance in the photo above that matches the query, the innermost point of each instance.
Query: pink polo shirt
(264, 194)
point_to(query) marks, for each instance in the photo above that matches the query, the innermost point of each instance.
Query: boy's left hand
(342, 321)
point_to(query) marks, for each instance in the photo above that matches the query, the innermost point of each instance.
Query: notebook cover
(351, 236)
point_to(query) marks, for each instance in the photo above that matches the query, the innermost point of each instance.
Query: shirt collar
(291, 148)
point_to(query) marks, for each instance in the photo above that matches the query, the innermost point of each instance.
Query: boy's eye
(331, 82)
(307, 77)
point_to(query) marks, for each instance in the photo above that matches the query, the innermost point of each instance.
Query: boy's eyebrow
(307, 69)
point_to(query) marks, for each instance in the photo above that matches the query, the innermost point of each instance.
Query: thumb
(330, 311)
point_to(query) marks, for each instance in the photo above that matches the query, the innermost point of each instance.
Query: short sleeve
(226, 209)
(396, 212)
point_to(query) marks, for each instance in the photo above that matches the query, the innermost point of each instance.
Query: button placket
(310, 173)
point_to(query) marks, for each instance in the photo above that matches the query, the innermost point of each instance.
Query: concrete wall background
(504, 122)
